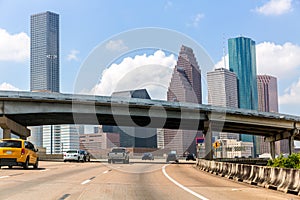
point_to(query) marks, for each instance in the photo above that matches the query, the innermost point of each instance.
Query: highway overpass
(22, 109)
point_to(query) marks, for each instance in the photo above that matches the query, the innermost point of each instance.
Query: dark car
(148, 156)
(86, 156)
(172, 157)
(191, 156)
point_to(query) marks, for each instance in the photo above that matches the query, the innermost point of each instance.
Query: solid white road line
(4, 176)
(181, 186)
(85, 182)
(106, 172)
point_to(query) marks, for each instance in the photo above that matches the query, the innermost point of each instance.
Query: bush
(292, 161)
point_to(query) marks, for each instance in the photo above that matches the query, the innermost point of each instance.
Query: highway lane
(138, 180)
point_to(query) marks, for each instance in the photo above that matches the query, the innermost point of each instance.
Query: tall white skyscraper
(222, 91)
(222, 88)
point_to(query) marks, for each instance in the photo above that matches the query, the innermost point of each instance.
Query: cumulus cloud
(73, 55)
(116, 45)
(281, 61)
(275, 7)
(291, 95)
(278, 60)
(151, 72)
(9, 87)
(14, 47)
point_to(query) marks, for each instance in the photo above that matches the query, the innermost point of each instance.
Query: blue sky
(273, 24)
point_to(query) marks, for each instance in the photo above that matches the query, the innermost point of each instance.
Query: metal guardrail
(249, 161)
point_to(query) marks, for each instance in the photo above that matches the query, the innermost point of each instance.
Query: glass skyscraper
(242, 61)
(44, 52)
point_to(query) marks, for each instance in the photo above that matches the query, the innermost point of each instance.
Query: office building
(44, 52)
(222, 91)
(222, 88)
(268, 102)
(242, 61)
(185, 86)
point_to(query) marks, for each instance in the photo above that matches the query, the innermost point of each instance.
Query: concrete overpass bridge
(22, 109)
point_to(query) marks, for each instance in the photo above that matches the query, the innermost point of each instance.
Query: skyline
(274, 29)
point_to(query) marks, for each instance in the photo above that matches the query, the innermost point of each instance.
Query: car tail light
(23, 151)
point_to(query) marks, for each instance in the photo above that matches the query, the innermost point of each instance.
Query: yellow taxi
(18, 152)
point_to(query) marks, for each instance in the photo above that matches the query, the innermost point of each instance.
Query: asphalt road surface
(137, 180)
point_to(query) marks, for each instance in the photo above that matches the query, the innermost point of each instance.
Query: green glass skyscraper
(242, 61)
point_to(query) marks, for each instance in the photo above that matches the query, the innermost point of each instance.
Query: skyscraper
(44, 71)
(268, 102)
(44, 52)
(222, 88)
(242, 61)
(222, 91)
(185, 86)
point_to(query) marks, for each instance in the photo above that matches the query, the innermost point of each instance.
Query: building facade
(222, 91)
(44, 52)
(268, 102)
(185, 86)
(222, 88)
(242, 61)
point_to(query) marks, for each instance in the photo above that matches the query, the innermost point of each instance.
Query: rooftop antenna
(224, 51)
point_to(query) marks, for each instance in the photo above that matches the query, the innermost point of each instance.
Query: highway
(137, 180)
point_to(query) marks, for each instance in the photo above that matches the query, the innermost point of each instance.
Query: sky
(116, 37)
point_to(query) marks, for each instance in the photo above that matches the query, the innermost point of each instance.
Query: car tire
(36, 164)
(26, 164)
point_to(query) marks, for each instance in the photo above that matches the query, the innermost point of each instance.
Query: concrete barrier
(281, 179)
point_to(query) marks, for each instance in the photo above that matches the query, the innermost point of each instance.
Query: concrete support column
(291, 145)
(208, 142)
(6, 133)
(272, 149)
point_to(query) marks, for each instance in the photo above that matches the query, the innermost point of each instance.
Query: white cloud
(291, 95)
(14, 47)
(275, 7)
(196, 20)
(73, 55)
(221, 63)
(116, 45)
(152, 72)
(7, 86)
(281, 61)
(278, 60)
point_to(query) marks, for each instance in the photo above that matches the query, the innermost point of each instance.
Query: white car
(74, 155)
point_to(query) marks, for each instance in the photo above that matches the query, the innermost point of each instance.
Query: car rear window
(118, 150)
(72, 151)
(11, 143)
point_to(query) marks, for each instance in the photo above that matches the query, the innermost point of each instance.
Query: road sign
(216, 144)
(199, 140)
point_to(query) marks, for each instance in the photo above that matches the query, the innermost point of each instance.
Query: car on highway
(86, 155)
(190, 156)
(74, 155)
(147, 156)
(172, 157)
(18, 152)
(118, 154)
